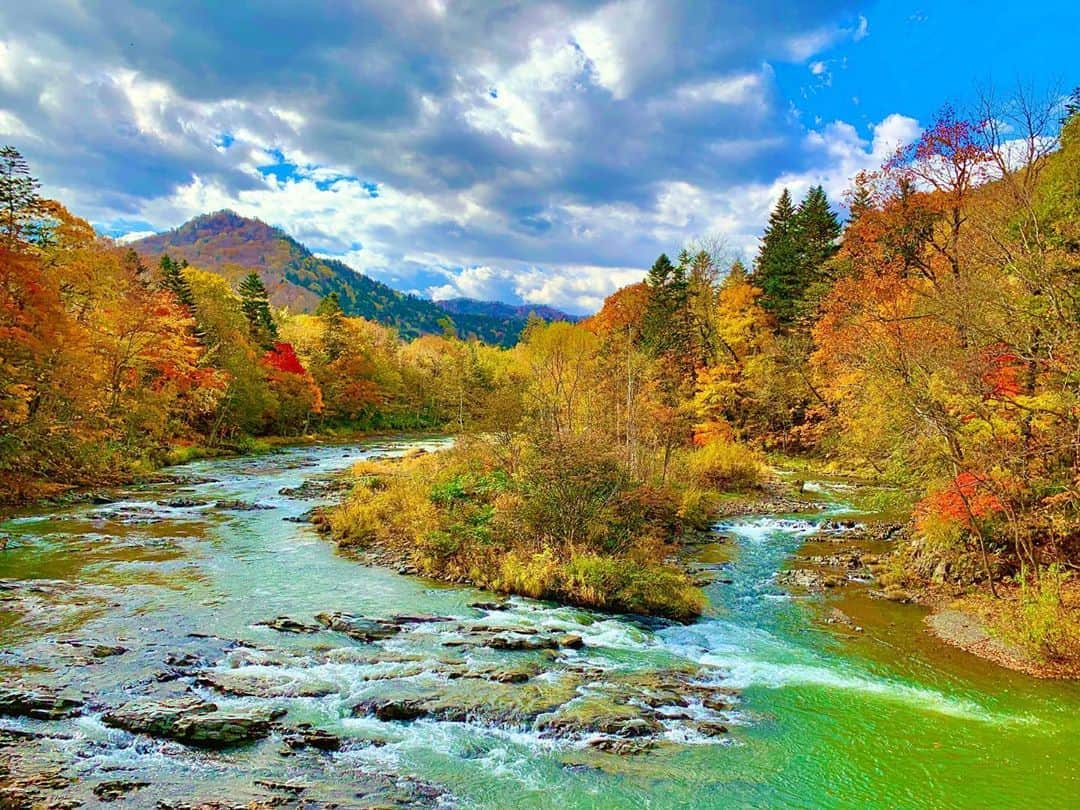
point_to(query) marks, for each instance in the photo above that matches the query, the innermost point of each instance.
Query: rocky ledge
(193, 721)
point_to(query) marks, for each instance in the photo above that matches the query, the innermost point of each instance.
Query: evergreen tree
(1072, 105)
(668, 291)
(333, 320)
(777, 269)
(817, 235)
(256, 305)
(172, 279)
(20, 205)
(667, 326)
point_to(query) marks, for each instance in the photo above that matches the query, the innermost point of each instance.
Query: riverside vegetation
(933, 342)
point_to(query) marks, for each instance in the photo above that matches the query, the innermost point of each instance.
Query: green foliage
(256, 305)
(173, 280)
(1046, 626)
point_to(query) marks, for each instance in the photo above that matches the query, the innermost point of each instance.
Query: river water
(816, 716)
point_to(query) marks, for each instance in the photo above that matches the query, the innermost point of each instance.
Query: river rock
(391, 709)
(39, 702)
(837, 616)
(489, 605)
(284, 624)
(307, 737)
(313, 489)
(115, 789)
(621, 746)
(356, 627)
(711, 728)
(225, 727)
(806, 579)
(519, 642)
(156, 718)
(264, 686)
(240, 506)
(589, 716)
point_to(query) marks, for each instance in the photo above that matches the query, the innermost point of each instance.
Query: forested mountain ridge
(498, 309)
(232, 246)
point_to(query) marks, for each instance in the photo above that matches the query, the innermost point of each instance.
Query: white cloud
(736, 89)
(11, 124)
(862, 30)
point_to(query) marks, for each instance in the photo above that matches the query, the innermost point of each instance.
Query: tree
(818, 232)
(667, 330)
(776, 271)
(172, 279)
(333, 323)
(256, 305)
(20, 206)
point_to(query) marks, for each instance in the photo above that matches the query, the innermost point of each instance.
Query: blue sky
(523, 151)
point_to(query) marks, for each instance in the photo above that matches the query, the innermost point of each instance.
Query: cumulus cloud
(541, 152)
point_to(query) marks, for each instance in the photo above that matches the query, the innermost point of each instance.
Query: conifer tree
(777, 269)
(817, 235)
(172, 279)
(668, 292)
(256, 305)
(20, 205)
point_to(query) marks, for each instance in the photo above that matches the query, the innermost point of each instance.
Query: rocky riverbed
(193, 643)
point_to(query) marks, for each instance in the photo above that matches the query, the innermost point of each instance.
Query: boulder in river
(156, 718)
(225, 727)
(39, 702)
(193, 721)
(284, 624)
(391, 709)
(356, 627)
(305, 736)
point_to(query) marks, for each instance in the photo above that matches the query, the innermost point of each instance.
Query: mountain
(497, 309)
(232, 246)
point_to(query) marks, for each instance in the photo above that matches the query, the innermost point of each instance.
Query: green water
(824, 718)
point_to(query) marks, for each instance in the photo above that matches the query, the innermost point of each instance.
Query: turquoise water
(822, 717)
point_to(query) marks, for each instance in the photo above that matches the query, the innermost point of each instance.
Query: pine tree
(776, 271)
(667, 327)
(817, 234)
(172, 279)
(20, 205)
(256, 305)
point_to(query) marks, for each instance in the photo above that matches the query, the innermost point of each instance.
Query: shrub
(1044, 623)
(726, 466)
(697, 507)
(536, 575)
(626, 586)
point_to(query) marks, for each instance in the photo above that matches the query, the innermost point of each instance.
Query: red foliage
(1002, 376)
(283, 358)
(966, 498)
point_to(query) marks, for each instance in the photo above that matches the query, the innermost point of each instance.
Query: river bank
(338, 683)
(28, 492)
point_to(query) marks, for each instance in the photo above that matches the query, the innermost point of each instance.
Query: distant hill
(232, 246)
(497, 309)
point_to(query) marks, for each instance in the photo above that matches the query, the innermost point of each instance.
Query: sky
(530, 152)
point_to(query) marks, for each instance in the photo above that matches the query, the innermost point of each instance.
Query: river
(170, 583)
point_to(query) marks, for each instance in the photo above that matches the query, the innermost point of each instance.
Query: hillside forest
(930, 342)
